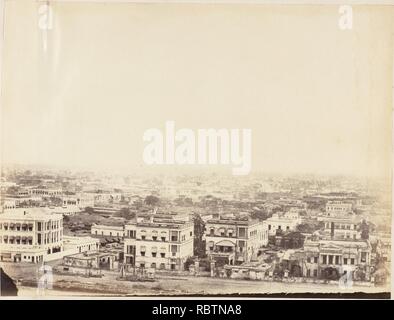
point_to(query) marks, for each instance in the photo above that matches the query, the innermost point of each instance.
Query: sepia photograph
(196, 149)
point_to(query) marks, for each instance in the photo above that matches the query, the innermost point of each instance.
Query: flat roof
(29, 214)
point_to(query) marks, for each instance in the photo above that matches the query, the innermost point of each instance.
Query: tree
(199, 230)
(89, 210)
(152, 200)
(260, 215)
(126, 213)
(364, 227)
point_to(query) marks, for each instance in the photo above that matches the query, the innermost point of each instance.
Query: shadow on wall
(8, 287)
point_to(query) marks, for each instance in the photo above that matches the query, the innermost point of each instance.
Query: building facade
(234, 239)
(107, 231)
(158, 241)
(30, 235)
(285, 222)
(331, 259)
(338, 208)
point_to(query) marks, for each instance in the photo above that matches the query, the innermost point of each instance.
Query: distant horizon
(181, 170)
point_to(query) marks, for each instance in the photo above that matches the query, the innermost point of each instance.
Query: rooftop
(29, 214)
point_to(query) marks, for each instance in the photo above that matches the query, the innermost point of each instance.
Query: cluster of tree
(199, 229)
(310, 227)
(364, 228)
(151, 200)
(260, 215)
(126, 213)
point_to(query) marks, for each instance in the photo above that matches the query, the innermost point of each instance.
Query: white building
(158, 241)
(30, 235)
(73, 245)
(284, 222)
(107, 231)
(338, 208)
(234, 239)
(68, 210)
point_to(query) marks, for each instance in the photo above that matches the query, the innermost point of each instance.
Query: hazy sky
(317, 98)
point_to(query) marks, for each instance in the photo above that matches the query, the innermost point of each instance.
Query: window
(363, 256)
(174, 236)
(191, 233)
(330, 259)
(308, 273)
(143, 253)
(154, 254)
(352, 261)
(269, 227)
(143, 237)
(162, 266)
(308, 260)
(162, 254)
(241, 245)
(315, 273)
(174, 248)
(336, 259)
(154, 238)
(324, 259)
(212, 232)
(153, 265)
(316, 259)
(142, 265)
(242, 232)
(163, 239)
(344, 260)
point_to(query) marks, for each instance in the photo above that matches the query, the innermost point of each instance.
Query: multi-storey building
(333, 258)
(338, 208)
(341, 227)
(234, 239)
(30, 235)
(284, 222)
(158, 241)
(46, 192)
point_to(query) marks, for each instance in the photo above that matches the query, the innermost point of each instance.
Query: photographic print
(195, 148)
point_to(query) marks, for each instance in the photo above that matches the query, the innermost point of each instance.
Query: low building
(88, 263)
(68, 210)
(234, 239)
(107, 231)
(159, 241)
(73, 245)
(30, 235)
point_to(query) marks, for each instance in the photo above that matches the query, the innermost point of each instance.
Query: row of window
(18, 228)
(17, 241)
(223, 232)
(174, 236)
(278, 227)
(340, 226)
(330, 259)
(118, 234)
